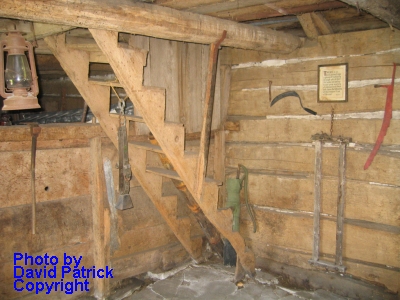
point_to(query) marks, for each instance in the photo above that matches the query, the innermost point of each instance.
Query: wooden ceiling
(298, 18)
(294, 16)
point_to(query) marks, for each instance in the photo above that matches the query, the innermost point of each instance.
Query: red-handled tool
(386, 119)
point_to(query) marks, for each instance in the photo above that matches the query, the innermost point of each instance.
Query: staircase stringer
(149, 101)
(151, 104)
(152, 185)
(76, 65)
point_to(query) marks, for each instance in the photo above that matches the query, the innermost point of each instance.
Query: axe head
(124, 202)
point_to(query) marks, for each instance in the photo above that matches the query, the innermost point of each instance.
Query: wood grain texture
(388, 11)
(98, 201)
(308, 25)
(343, 44)
(294, 130)
(379, 276)
(274, 143)
(150, 20)
(60, 173)
(358, 243)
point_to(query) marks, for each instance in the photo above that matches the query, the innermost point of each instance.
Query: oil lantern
(18, 79)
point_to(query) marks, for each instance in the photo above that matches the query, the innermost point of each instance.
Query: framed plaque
(332, 83)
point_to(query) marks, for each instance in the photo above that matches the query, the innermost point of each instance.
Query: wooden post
(317, 197)
(97, 191)
(340, 205)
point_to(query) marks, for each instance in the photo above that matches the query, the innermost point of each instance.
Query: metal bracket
(125, 173)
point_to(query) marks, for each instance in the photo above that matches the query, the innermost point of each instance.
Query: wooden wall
(180, 68)
(275, 144)
(141, 239)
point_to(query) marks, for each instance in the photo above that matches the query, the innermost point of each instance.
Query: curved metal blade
(293, 94)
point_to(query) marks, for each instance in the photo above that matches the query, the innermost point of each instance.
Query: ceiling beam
(386, 10)
(272, 10)
(150, 20)
(308, 25)
(314, 24)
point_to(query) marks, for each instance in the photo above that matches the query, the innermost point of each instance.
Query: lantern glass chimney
(17, 73)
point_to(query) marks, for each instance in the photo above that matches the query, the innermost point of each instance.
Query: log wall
(135, 240)
(275, 144)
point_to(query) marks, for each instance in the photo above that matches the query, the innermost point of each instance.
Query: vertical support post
(340, 204)
(97, 191)
(317, 197)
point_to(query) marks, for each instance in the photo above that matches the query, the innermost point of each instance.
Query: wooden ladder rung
(128, 117)
(147, 146)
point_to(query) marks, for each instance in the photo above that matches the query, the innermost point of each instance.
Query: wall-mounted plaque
(332, 83)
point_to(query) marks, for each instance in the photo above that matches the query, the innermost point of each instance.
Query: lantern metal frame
(18, 98)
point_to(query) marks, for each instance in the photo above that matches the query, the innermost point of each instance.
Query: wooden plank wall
(64, 208)
(180, 68)
(275, 144)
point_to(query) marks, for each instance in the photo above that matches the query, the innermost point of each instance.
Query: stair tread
(164, 172)
(174, 175)
(157, 148)
(106, 83)
(147, 146)
(128, 117)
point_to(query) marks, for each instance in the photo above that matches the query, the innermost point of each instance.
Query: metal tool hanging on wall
(35, 130)
(293, 94)
(386, 118)
(125, 174)
(233, 187)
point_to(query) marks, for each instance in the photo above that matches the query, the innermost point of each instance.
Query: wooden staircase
(127, 64)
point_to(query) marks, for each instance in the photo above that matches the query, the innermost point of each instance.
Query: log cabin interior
(173, 132)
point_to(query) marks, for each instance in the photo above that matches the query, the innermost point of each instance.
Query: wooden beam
(33, 31)
(41, 30)
(386, 10)
(150, 20)
(308, 25)
(266, 11)
(314, 24)
(97, 191)
(321, 23)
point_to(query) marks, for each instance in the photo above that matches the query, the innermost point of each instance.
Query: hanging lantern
(18, 81)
